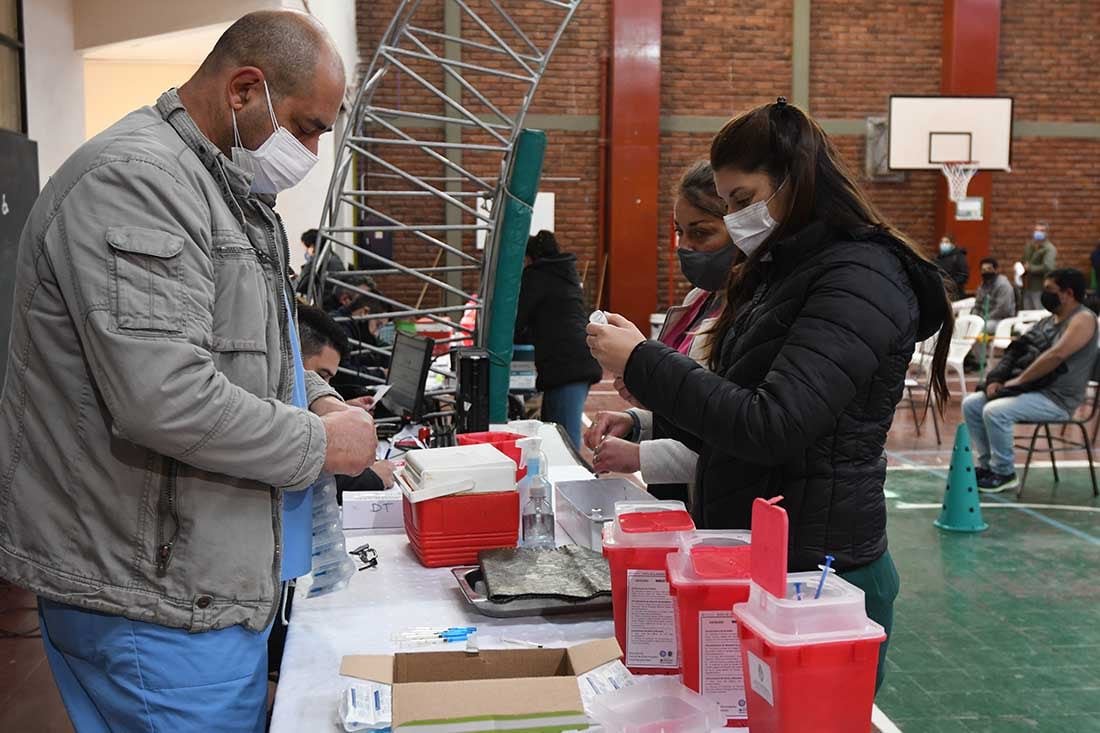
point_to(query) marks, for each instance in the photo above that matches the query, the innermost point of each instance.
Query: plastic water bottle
(538, 512)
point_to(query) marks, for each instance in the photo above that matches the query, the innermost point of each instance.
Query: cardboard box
(374, 509)
(523, 690)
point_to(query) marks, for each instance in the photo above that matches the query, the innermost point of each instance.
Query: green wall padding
(515, 226)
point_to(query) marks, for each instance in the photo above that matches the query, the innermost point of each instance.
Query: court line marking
(883, 723)
(998, 505)
(1001, 500)
(915, 466)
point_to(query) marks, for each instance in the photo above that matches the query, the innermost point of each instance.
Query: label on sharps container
(760, 677)
(650, 620)
(721, 676)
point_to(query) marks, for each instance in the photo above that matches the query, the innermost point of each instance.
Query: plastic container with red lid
(709, 573)
(635, 544)
(810, 663)
(503, 440)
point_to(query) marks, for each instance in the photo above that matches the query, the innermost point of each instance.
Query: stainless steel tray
(583, 507)
(472, 585)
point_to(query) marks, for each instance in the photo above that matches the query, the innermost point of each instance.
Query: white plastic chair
(968, 327)
(967, 330)
(1002, 335)
(963, 307)
(1026, 319)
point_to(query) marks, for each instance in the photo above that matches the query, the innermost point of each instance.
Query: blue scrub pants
(127, 676)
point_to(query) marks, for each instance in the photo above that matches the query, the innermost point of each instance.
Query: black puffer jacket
(805, 392)
(552, 316)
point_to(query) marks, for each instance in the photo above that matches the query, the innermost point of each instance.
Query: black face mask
(1050, 301)
(988, 277)
(707, 270)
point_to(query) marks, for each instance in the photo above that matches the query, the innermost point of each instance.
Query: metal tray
(472, 584)
(583, 507)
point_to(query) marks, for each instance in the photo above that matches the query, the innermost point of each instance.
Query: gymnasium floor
(996, 632)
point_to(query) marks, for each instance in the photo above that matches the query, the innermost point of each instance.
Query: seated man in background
(1043, 376)
(996, 298)
(369, 355)
(324, 346)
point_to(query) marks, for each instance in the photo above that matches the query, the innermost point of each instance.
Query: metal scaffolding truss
(421, 162)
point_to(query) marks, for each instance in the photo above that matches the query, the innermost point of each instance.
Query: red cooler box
(809, 664)
(635, 545)
(711, 572)
(452, 529)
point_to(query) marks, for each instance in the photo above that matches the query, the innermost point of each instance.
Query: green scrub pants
(880, 583)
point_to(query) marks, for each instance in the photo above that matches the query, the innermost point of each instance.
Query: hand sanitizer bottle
(538, 512)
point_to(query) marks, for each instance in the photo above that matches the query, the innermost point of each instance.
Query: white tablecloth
(397, 595)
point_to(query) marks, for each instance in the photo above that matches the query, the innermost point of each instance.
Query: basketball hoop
(958, 174)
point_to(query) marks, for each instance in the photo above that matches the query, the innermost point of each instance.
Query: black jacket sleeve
(530, 292)
(848, 322)
(664, 428)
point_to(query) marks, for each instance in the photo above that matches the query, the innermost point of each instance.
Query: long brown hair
(785, 143)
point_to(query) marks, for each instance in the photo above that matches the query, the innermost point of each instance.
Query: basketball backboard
(926, 132)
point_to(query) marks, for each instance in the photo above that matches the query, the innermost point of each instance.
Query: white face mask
(750, 226)
(279, 163)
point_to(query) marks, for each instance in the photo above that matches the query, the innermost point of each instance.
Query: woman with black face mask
(808, 358)
(622, 441)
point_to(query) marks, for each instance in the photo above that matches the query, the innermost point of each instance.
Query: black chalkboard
(18, 191)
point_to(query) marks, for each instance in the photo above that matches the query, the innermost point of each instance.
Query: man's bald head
(284, 54)
(289, 46)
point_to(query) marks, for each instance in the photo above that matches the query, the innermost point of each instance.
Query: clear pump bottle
(538, 511)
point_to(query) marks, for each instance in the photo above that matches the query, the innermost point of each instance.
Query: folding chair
(910, 385)
(1064, 444)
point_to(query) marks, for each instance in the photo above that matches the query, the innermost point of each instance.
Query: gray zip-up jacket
(145, 438)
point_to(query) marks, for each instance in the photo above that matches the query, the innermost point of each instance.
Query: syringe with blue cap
(436, 635)
(825, 570)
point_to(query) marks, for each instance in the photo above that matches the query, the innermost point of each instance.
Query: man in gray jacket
(148, 424)
(996, 298)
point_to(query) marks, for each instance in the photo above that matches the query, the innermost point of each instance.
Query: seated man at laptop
(324, 345)
(1043, 376)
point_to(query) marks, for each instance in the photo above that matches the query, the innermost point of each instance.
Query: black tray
(472, 584)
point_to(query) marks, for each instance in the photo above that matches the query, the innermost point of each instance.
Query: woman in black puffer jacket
(551, 315)
(809, 358)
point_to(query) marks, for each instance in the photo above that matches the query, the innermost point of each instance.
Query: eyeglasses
(367, 555)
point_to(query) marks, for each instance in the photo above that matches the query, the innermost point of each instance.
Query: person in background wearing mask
(551, 315)
(995, 299)
(622, 441)
(157, 421)
(333, 263)
(952, 260)
(808, 357)
(1040, 258)
(1094, 261)
(1043, 378)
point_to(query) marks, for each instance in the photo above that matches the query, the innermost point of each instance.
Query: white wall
(113, 89)
(301, 206)
(55, 83)
(99, 22)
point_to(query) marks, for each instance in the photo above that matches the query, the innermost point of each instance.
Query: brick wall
(1050, 50)
(721, 58)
